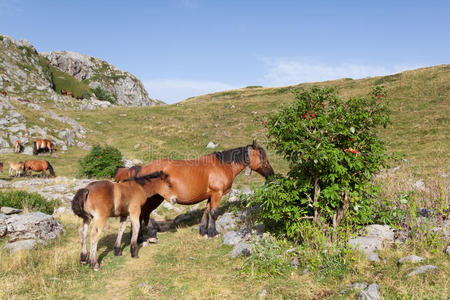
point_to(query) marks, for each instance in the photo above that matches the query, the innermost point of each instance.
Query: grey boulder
(36, 225)
(241, 249)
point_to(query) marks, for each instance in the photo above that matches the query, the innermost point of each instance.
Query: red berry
(312, 115)
(310, 119)
(304, 115)
(323, 104)
(354, 151)
(379, 96)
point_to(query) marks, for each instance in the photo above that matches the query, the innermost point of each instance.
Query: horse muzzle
(173, 200)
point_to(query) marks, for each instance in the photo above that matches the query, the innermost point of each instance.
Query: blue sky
(182, 48)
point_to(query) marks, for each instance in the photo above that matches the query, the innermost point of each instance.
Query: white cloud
(174, 90)
(287, 71)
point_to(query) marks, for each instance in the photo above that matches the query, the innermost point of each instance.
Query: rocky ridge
(126, 88)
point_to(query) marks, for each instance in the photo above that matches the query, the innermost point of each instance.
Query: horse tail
(78, 204)
(50, 168)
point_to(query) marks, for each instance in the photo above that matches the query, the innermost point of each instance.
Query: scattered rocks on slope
(231, 238)
(376, 238)
(226, 222)
(10, 210)
(241, 249)
(422, 269)
(410, 259)
(372, 292)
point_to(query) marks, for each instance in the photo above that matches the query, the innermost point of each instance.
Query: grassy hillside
(420, 119)
(184, 265)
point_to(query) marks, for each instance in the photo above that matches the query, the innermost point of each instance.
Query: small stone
(241, 249)
(10, 210)
(294, 262)
(447, 250)
(410, 259)
(422, 269)
(359, 285)
(20, 245)
(137, 146)
(123, 115)
(211, 145)
(425, 212)
(372, 292)
(373, 257)
(231, 238)
(420, 185)
(262, 294)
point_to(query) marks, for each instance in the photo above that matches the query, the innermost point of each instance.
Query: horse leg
(135, 226)
(152, 230)
(203, 228)
(122, 227)
(213, 213)
(83, 235)
(99, 223)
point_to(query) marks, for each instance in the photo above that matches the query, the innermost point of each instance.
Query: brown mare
(208, 177)
(18, 147)
(43, 145)
(125, 173)
(38, 166)
(103, 199)
(16, 166)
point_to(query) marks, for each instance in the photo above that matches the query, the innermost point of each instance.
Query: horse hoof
(136, 256)
(117, 252)
(153, 240)
(96, 267)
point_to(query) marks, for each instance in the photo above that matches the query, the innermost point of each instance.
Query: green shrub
(101, 162)
(333, 151)
(1, 37)
(104, 95)
(86, 95)
(30, 201)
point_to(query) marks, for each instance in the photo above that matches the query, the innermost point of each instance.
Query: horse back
(100, 200)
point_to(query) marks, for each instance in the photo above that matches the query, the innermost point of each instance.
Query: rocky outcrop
(126, 88)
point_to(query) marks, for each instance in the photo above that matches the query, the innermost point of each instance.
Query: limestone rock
(410, 259)
(372, 292)
(226, 222)
(422, 269)
(36, 225)
(231, 238)
(20, 245)
(241, 249)
(10, 210)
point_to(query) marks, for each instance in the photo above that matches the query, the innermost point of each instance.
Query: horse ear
(254, 144)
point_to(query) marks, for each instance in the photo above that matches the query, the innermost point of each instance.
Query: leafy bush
(332, 149)
(101, 162)
(104, 95)
(31, 201)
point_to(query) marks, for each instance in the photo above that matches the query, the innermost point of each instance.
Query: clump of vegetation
(101, 162)
(104, 95)
(333, 150)
(1, 37)
(30, 201)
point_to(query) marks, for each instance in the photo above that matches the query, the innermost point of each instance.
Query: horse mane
(237, 155)
(141, 179)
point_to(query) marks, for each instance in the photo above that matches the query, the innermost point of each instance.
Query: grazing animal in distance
(208, 177)
(43, 145)
(18, 147)
(102, 199)
(38, 166)
(63, 91)
(125, 173)
(70, 94)
(15, 166)
(79, 97)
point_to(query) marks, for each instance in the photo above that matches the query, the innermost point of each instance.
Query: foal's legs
(135, 232)
(83, 235)
(99, 223)
(204, 223)
(213, 212)
(122, 227)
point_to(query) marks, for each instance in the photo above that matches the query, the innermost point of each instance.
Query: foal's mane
(141, 180)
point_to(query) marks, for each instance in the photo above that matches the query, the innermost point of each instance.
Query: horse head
(258, 160)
